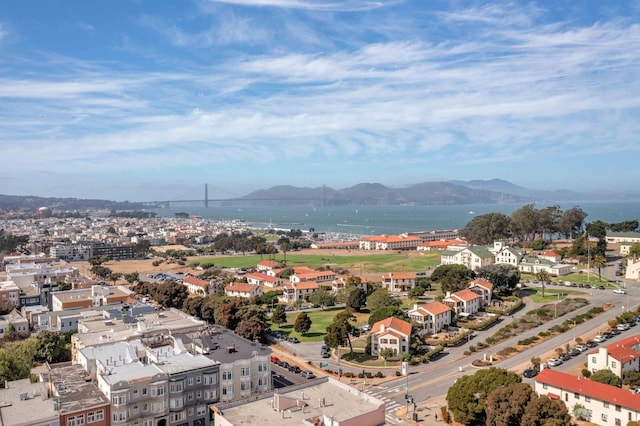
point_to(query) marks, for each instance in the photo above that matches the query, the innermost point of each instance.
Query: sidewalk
(427, 411)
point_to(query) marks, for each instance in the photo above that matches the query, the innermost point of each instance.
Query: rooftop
(227, 347)
(75, 390)
(304, 402)
(26, 403)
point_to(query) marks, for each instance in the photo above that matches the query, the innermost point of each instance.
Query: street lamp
(574, 330)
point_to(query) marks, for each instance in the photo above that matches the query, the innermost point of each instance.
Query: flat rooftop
(341, 403)
(26, 403)
(75, 389)
(227, 347)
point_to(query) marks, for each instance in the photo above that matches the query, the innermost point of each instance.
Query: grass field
(395, 261)
(554, 294)
(320, 320)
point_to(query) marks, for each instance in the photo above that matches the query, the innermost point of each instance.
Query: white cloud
(328, 6)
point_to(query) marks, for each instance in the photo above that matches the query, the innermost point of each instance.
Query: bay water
(389, 220)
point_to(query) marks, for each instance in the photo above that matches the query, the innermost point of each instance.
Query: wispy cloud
(328, 6)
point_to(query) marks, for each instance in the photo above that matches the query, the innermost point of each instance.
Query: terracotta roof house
(264, 280)
(621, 357)
(482, 288)
(605, 404)
(245, 290)
(464, 302)
(392, 333)
(399, 281)
(433, 316)
(267, 265)
(196, 285)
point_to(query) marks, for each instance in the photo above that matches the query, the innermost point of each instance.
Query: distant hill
(377, 194)
(32, 203)
(559, 195)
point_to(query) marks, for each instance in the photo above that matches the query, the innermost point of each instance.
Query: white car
(619, 291)
(599, 338)
(554, 362)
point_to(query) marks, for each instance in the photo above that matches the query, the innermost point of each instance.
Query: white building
(433, 316)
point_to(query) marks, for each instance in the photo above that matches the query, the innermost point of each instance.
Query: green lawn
(553, 294)
(394, 261)
(320, 320)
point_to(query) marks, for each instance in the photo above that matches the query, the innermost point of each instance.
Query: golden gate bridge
(232, 197)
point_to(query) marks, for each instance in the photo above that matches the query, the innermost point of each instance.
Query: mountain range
(437, 193)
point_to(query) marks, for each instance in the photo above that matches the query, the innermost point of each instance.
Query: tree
(525, 222)
(387, 354)
(572, 221)
(231, 313)
(16, 359)
(452, 277)
(101, 271)
(252, 328)
(356, 299)
(386, 312)
(132, 277)
(416, 292)
(323, 298)
(506, 405)
(504, 278)
(542, 411)
(50, 347)
(279, 315)
(599, 261)
(339, 331)
(544, 278)
(607, 377)
(487, 228)
(284, 243)
(467, 396)
(381, 298)
(114, 276)
(302, 324)
(549, 220)
(634, 250)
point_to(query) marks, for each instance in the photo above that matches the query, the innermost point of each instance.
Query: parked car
(294, 368)
(307, 374)
(293, 340)
(275, 359)
(599, 338)
(619, 291)
(565, 356)
(614, 332)
(554, 362)
(284, 364)
(623, 327)
(573, 352)
(582, 348)
(591, 343)
(529, 373)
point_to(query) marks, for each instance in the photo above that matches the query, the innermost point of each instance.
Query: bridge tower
(206, 196)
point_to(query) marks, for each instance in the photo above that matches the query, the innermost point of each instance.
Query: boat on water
(471, 212)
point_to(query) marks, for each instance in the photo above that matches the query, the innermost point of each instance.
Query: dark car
(615, 331)
(294, 340)
(529, 373)
(600, 287)
(591, 343)
(565, 356)
(284, 364)
(294, 368)
(573, 352)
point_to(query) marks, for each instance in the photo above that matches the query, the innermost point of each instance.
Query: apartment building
(244, 290)
(604, 404)
(399, 281)
(9, 294)
(28, 404)
(433, 316)
(392, 333)
(89, 297)
(464, 302)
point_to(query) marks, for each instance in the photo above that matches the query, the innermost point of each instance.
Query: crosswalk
(391, 406)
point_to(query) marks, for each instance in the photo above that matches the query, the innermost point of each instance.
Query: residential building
(70, 252)
(433, 316)
(323, 401)
(17, 321)
(632, 271)
(484, 289)
(399, 281)
(508, 256)
(464, 302)
(454, 245)
(392, 333)
(474, 257)
(9, 294)
(620, 358)
(264, 280)
(89, 297)
(27, 404)
(534, 264)
(305, 274)
(111, 251)
(245, 290)
(78, 399)
(196, 285)
(389, 242)
(605, 404)
(245, 366)
(623, 237)
(267, 265)
(302, 291)
(446, 234)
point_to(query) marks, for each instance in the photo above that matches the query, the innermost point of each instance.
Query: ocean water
(378, 220)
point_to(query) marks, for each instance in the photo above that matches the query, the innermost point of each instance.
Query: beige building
(392, 333)
(434, 316)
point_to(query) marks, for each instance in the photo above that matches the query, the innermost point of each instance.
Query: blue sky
(148, 99)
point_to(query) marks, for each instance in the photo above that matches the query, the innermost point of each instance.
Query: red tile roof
(590, 388)
(435, 308)
(400, 276)
(483, 283)
(196, 281)
(240, 287)
(466, 295)
(393, 323)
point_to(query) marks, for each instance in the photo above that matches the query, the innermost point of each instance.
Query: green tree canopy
(607, 377)
(323, 298)
(452, 277)
(385, 312)
(467, 396)
(50, 347)
(487, 228)
(302, 324)
(525, 222)
(339, 331)
(252, 328)
(542, 411)
(381, 298)
(279, 315)
(506, 405)
(572, 221)
(356, 298)
(504, 278)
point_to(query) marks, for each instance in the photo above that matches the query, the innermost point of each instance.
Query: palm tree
(544, 277)
(599, 261)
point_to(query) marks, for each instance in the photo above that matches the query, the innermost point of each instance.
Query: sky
(149, 100)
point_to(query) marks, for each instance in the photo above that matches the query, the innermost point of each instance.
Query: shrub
(398, 373)
(586, 373)
(379, 375)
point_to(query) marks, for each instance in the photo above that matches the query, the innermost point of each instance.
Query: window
(198, 379)
(576, 395)
(157, 391)
(176, 386)
(617, 408)
(91, 417)
(199, 394)
(603, 417)
(75, 420)
(613, 364)
(618, 422)
(176, 403)
(384, 341)
(144, 391)
(544, 386)
(190, 381)
(202, 409)
(587, 399)
(190, 411)
(594, 359)
(227, 375)
(99, 415)
(244, 371)
(135, 393)
(605, 404)
(190, 396)
(176, 417)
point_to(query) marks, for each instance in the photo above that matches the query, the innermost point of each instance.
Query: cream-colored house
(620, 357)
(433, 316)
(392, 333)
(464, 302)
(399, 281)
